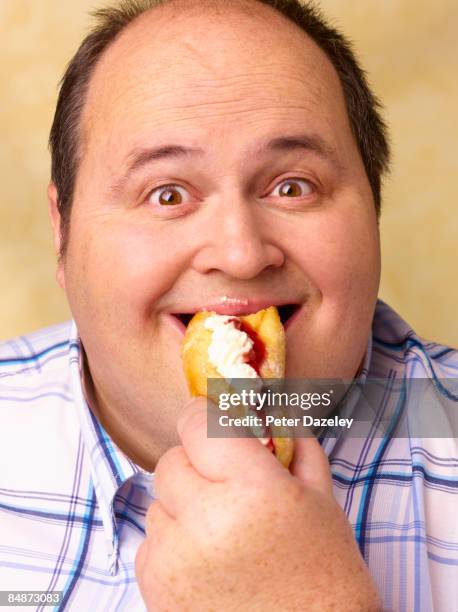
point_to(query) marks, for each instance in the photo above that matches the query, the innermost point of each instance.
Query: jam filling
(257, 354)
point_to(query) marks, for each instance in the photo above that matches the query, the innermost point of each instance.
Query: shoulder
(32, 355)
(38, 424)
(35, 381)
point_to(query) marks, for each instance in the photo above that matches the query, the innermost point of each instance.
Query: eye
(167, 195)
(293, 188)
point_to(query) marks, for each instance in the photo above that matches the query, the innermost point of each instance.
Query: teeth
(225, 299)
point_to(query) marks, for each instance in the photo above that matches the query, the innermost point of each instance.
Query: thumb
(310, 464)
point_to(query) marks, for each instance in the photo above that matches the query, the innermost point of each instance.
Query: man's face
(218, 166)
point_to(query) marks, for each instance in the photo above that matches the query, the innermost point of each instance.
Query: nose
(238, 240)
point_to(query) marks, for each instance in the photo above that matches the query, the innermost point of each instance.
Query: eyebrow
(306, 142)
(141, 157)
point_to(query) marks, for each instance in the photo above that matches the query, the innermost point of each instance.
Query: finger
(160, 530)
(310, 464)
(219, 459)
(176, 482)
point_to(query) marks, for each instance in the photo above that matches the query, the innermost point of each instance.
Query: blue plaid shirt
(72, 505)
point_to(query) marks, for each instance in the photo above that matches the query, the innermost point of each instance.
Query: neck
(140, 444)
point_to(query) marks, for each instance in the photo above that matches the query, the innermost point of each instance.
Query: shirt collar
(110, 467)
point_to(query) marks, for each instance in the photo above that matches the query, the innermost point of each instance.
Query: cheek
(340, 254)
(122, 265)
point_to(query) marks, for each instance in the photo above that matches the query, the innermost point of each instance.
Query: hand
(233, 530)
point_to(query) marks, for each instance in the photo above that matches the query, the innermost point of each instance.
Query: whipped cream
(229, 348)
(228, 351)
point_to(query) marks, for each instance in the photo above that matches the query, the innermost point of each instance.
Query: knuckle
(195, 420)
(168, 459)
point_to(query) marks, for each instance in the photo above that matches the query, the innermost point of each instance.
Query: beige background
(409, 48)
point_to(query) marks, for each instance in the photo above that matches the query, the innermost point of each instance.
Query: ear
(54, 215)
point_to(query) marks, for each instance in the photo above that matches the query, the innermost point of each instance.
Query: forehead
(199, 74)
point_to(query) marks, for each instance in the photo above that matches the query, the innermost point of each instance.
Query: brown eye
(293, 188)
(167, 195)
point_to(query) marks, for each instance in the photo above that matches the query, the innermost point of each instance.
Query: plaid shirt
(72, 505)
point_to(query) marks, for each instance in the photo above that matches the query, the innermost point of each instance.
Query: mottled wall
(410, 49)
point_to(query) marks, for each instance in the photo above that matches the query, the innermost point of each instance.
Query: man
(215, 155)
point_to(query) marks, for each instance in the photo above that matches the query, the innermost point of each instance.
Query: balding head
(166, 73)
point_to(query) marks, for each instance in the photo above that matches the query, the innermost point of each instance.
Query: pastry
(231, 347)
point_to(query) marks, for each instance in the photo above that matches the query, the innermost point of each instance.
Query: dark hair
(363, 108)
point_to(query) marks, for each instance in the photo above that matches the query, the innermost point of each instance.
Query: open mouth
(184, 317)
(286, 312)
